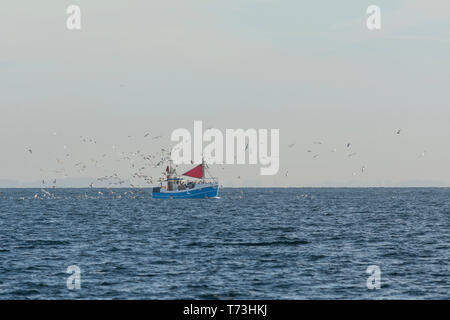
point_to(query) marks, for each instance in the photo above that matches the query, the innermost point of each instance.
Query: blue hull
(196, 193)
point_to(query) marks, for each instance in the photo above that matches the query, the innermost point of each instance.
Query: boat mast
(203, 168)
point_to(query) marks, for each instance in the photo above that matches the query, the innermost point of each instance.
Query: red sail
(197, 172)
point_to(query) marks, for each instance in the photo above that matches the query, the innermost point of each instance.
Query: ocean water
(249, 244)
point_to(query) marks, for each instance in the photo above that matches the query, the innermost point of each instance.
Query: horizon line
(253, 187)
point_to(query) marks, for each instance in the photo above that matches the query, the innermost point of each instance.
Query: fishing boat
(176, 187)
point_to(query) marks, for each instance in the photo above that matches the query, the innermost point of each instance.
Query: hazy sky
(309, 68)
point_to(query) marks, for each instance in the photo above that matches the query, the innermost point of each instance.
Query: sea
(251, 243)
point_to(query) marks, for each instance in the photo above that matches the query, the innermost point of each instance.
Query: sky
(311, 69)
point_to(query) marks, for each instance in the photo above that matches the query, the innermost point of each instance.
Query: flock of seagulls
(140, 163)
(348, 148)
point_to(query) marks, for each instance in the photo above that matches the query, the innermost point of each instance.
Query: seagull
(29, 150)
(399, 131)
(348, 145)
(362, 169)
(146, 135)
